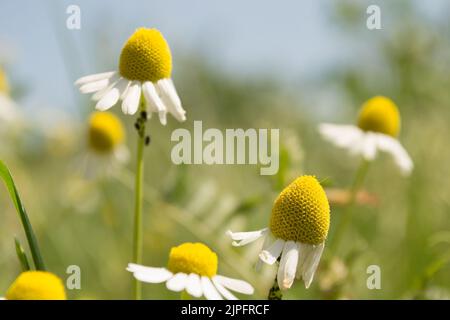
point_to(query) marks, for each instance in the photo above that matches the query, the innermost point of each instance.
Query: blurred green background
(404, 228)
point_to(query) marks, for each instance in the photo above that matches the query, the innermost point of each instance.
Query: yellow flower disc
(193, 258)
(380, 114)
(106, 132)
(36, 285)
(146, 56)
(301, 212)
(4, 86)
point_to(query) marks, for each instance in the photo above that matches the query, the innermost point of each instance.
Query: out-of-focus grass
(88, 222)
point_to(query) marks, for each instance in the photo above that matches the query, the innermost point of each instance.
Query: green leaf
(5, 175)
(22, 256)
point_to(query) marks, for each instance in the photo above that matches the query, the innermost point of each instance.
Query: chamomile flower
(377, 129)
(105, 141)
(299, 223)
(36, 285)
(192, 267)
(145, 67)
(8, 109)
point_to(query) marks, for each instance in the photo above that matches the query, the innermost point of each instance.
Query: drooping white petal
(209, 291)
(149, 274)
(94, 86)
(266, 244)
(235, 284)
(222, 290)
(131, 99)
(343, 136)
(311, 262)
(178, 282)
(369, 146)
(108, 100)
(194, 286)
(304, 250)
(243, 238)
(170, 98)
(94, 78)
(288, 265)
(392, 146)
(152, 97)
(112, 82)
(271, 254)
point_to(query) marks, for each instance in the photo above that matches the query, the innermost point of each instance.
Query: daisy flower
(105, 141)
(36, 285)
(299, 225)
(192, 267)
(145, 67)
(377, 130)
(8, 109)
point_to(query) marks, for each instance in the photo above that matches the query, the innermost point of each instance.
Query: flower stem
(347, 215)
(137, 238)
(275, 292)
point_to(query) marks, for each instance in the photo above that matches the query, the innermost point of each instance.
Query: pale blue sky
(292, 39)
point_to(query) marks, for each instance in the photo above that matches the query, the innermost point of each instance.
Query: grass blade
(22, 256)
(5, 175)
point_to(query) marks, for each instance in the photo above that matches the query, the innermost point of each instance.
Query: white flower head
(145, 68)
(299, 223)
(192, 267)
(377, 129)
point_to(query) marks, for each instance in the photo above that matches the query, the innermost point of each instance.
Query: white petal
(178, 282)
(170, 98)
(393, 146)
(235, 284)
(271, 254)
(243, 238)
(152, 97)
(288, 265)
(123, 85)
(149, 274)
(209, 291)
(94, 86)
(94, 77)
(369, 146)
(304, 251)
(223, 291)
(343, 136)
(311, 263)
(132, 98)
(108, 100)
(112, 82)
(194, 286)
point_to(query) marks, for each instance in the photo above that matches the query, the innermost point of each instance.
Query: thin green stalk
(139, 180)
(22, 256)
(347, 215)
(5, 175)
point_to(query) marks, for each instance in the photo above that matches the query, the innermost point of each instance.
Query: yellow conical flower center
(36, 285)
(146, 56)
(301, 212)
(105, 132)
(193, 258)
(4, 85)
(380, 114)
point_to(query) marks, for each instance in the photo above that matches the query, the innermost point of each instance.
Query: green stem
(138, 234)
(5, 175)
(347, 215)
